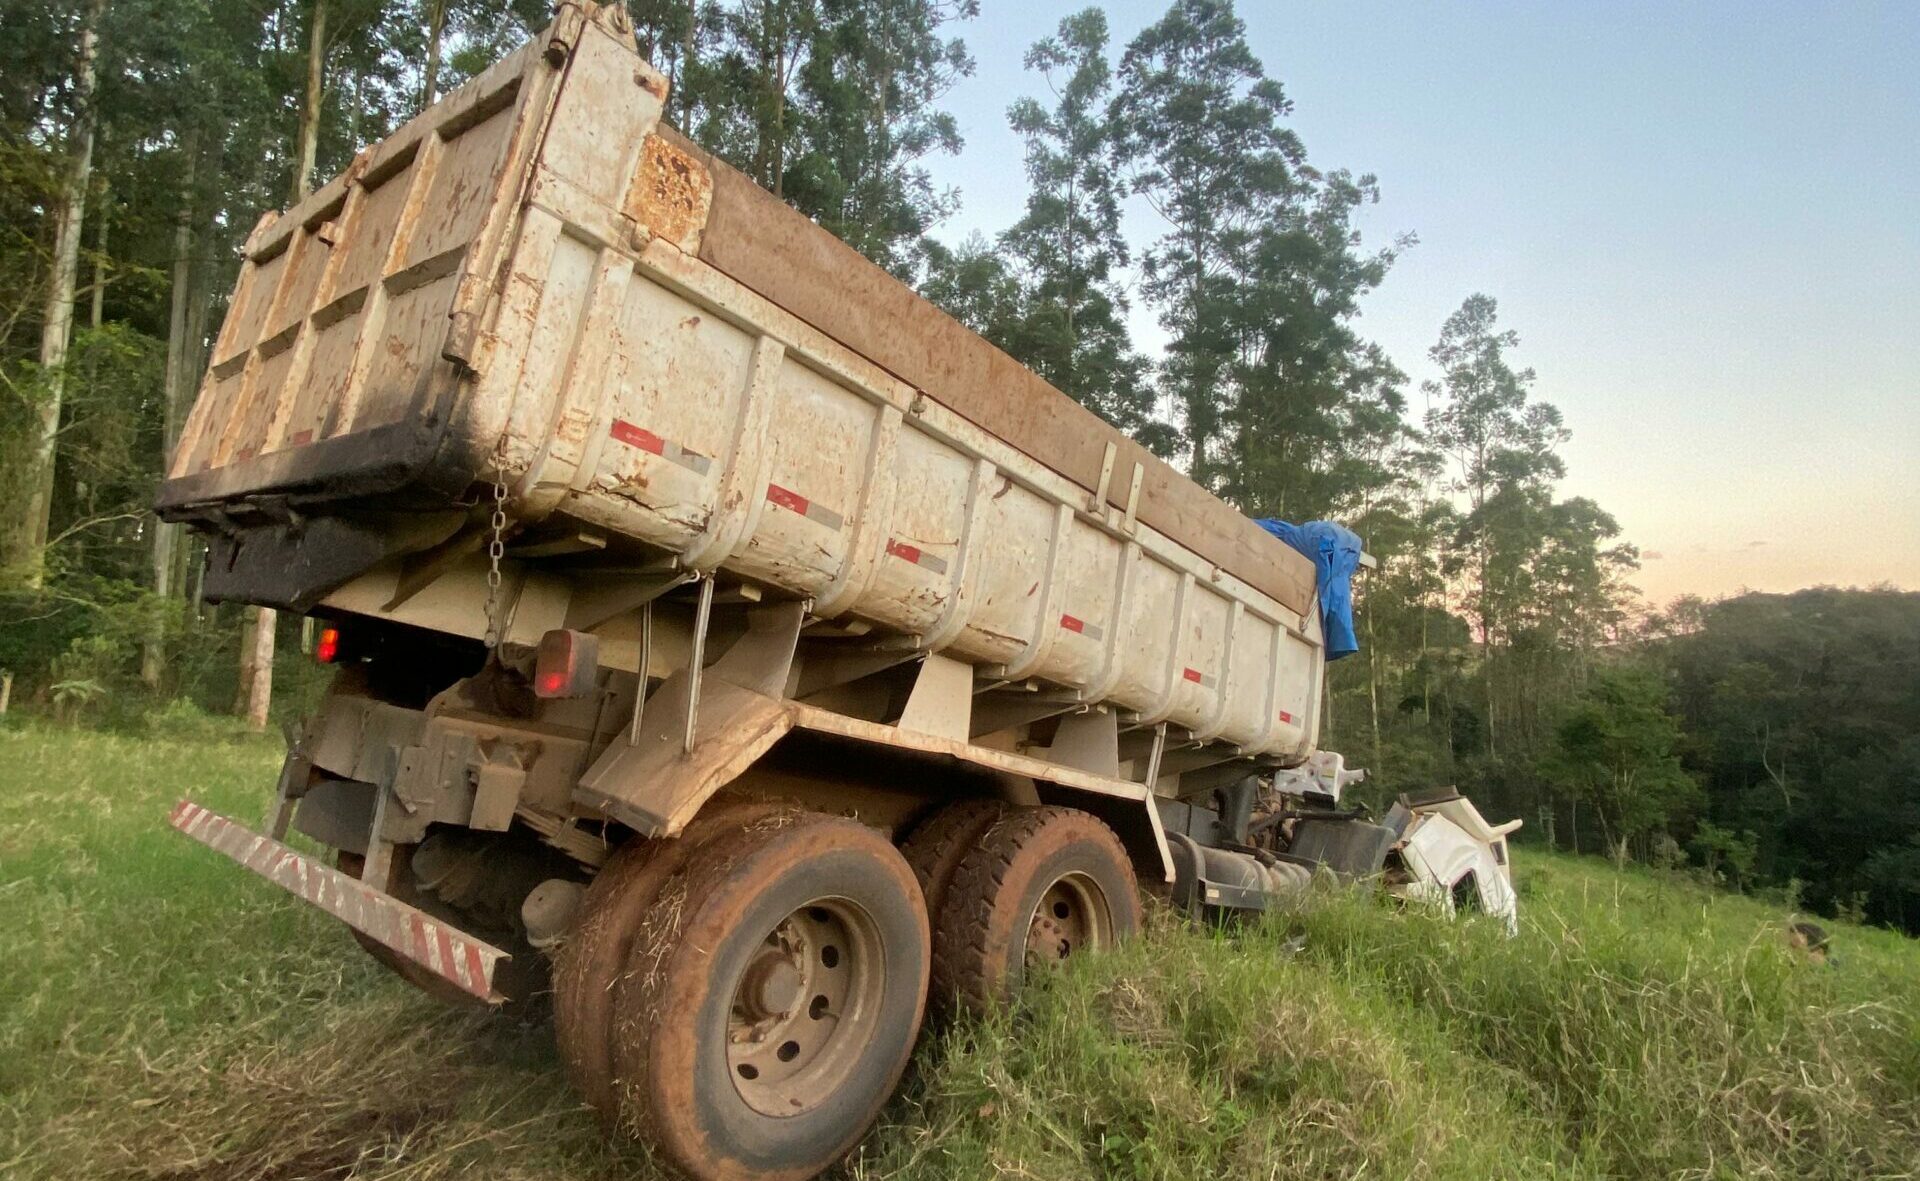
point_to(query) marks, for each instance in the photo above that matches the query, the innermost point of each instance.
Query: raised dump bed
(534, 281)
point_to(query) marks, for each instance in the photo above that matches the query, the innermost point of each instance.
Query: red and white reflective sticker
(645, 440)
(1286, 717)
(1197, 677)
(792, 501)
(908, 552)
(447, 951)
(1079, 626)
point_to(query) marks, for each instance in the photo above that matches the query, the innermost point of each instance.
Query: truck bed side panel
(757, 239)
(532, 281)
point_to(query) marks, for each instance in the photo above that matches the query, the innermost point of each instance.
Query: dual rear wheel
(1012, 890)
(746, 997)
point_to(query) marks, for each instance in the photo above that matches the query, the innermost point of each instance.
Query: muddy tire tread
(588, 964)
(649, 979)
(653, 945)
(964, 972)
(935, 849)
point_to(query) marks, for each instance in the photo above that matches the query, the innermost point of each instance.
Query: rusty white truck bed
(533, 279)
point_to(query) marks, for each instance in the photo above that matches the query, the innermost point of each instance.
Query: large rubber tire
(990, 927)
(936, 847)
(589, 961)
(678, 1028)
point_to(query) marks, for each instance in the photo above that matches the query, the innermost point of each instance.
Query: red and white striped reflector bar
(908, 552)
(443, 950)
(819, 514)
(1079, 626)
(1197, 677)
(645, 440)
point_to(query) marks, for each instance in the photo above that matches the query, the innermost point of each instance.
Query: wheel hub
(772, 985)
(805, 1007)
(1072, 916)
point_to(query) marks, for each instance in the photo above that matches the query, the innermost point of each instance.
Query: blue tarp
(1335, 550)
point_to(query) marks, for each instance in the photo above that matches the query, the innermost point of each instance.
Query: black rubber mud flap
(293, 566)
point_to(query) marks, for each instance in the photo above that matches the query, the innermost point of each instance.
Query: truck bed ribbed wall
(534, 277)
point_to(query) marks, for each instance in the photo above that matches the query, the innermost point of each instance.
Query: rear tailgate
(355, 310)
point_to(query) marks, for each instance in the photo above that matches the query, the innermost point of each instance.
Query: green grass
(164, 1015)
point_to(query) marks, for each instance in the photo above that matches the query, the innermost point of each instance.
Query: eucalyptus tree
(875, 73)
(754, 116)
(1201, 134)
(1068, 244)
(1503, 448)
(674, 36)
(974, 284)
(1259, 275)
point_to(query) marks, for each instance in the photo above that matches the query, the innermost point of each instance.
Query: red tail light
(326, 649)
(567, 665)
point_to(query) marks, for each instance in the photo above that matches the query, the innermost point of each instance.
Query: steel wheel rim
(1072, 916)
(805, 1007)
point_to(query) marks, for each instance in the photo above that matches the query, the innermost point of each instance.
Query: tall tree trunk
(689, 46)
(185, 550)
(1373, 689)
(1426, 665)
(1484, 558)
(1486, 651)
(1072, 301)
(256, 648)
(26, 544)
(307, 142)
(782, 70)
(1197, 431)
(182, 369)
(436, 29)
(1486, 671)
(256, 668)
(98, 288)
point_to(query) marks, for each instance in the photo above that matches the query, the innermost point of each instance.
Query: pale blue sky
(1703, 219)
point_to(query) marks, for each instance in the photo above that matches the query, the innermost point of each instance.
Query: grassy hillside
(163, 1015)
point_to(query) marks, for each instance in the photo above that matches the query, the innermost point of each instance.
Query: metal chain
(496, 549)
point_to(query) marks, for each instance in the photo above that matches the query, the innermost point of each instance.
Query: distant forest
(1769, 741)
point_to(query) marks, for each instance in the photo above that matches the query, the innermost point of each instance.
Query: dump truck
(731, 650)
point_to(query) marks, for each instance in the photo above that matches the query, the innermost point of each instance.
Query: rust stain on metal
(670, 194)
